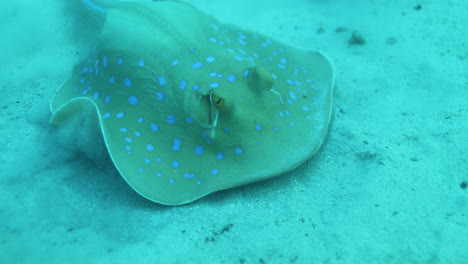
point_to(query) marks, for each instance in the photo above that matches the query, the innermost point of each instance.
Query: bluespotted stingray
(188, 106)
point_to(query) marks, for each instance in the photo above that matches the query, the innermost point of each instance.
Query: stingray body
(189, 106)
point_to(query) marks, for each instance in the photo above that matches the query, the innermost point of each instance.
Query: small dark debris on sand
(356, 39)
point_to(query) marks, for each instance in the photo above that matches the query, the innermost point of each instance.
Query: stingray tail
(101, 6)
(98, 6)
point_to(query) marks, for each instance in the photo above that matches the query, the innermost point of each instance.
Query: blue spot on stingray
(162, 81)
(292, 95)
(198, 182)
(305, 108)
(119, 61)
(291, 124)
(189, 120)
(154, 127)
(175, 164)
(104, 61)
(128, 140)
(133, 100)
(183, 85)
(199, 150)
(220, 75)
(231, 78)
(176, 144)
(258, 127)
(140, 120)
(214, 171)
(123, 130)
(213, 74)
(171, 119)
(214, 85)
(195, 87)
(242, 41)
(213, 40)
(189, 175)
(106, 115)
(206, 137)
(149, 147)
(197, 65)
(147, 161)
(96, 95)
(175, 62)
(171, 181)
(226, 129)
(239, 58)
(112, 79)
(239, 151)
(107, 99)
(137, 133)
(246, 73)
(82, 80)
(210, 59)
(219, 156)
(283, 61)
(243, 52)
(281, 66)
(160, 96)
(141, 62)
(158, 159)
(86, 90)
(159, 174)
(120, 115)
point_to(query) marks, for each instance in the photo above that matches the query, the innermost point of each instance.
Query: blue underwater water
(388, 185)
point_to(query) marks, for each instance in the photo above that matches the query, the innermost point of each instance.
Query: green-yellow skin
(166, 119)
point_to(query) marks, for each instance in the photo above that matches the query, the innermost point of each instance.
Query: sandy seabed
(388, 186)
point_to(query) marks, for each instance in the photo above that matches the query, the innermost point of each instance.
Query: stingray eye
(218, 102)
